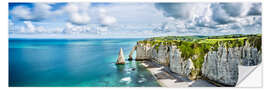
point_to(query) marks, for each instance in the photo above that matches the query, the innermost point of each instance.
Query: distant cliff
(215, 57)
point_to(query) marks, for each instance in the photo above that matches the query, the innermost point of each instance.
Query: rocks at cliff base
(219, 65)
(121, 58)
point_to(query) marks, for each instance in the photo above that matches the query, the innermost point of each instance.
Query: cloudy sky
(129, 20)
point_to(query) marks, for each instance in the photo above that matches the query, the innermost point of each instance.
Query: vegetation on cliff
(196, 47)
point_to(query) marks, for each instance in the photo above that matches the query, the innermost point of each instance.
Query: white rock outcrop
(143, 51)
(121, 58)
(220, 66)
(166, 55)
(131, 53)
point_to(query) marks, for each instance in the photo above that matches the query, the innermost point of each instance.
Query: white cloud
(183, 11)
(108, 20)
(130, 13)
(105, 19)
(29, 26)
(10, 23)
(219, 15)
(194, 17)
(78, 13)
(39, 12)
(21, 12)
(77, 29)
(256, 9)
(236, 9)
(135, 19)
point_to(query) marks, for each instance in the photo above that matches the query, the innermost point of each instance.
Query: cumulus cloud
(236, 9)
(79, 19)
(78, 13)
(182, 10)
(190, 17)
(21, 12)
(169, 18)
(256, 9)
(39, 12)
(42, 10)
(29, 26)
(76, 29)
(10, 23)
(105, 19)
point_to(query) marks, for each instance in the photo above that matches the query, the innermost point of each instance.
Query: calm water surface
(74, 63)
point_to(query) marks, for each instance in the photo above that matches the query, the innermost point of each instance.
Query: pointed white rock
(121, 58)
(131, 53)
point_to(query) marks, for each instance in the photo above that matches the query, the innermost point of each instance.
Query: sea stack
(120, 59)
(131, 52)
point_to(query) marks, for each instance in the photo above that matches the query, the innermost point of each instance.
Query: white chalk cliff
(219, 66)
(121, 58)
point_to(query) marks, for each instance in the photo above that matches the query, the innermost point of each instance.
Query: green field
(200, 45)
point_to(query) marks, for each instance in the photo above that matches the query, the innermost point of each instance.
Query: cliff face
(178, 64)
(165, 55)
(219, 65)
(143, 51)
(222, 65)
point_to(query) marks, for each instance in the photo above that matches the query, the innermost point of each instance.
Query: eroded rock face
(220, 66)
(178, 64)
(161, 55)
(131, 53)
(166, 55)
(250, 56)
(143, 51)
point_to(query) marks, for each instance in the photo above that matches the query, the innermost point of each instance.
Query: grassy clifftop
(195, 47)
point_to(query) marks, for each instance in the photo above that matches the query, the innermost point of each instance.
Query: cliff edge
(215, 58)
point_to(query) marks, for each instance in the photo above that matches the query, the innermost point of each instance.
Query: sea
(75, 63)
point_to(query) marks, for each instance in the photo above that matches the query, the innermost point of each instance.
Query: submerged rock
(121, 58)
(126, 80)
(142, 80)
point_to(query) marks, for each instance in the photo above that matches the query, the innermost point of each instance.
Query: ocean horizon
(172, 44)
(68, 63)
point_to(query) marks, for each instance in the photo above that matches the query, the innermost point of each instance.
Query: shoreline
(165, 78)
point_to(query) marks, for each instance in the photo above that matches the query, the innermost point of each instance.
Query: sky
(132, 20)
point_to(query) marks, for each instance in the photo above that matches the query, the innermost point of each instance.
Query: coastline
(168, 79)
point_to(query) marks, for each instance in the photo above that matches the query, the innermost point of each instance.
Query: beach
(74, 63)
(168, 79)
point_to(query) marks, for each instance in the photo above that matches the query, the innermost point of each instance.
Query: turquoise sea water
(68, 63)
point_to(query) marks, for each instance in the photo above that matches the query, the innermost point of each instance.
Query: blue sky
(127, 20)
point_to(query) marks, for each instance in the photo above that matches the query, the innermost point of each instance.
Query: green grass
(199, 46)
